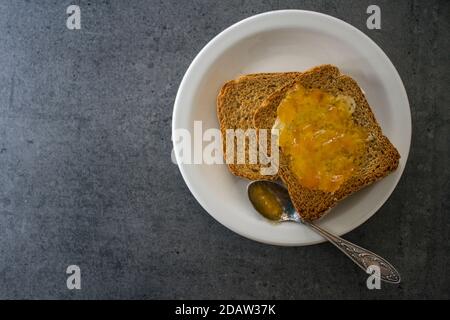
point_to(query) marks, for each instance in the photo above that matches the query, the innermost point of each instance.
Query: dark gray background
(86, 176)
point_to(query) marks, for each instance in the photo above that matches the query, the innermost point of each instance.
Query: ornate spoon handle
(362, 257)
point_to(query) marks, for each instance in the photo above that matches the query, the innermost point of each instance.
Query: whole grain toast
(236, 103)
(380, 158)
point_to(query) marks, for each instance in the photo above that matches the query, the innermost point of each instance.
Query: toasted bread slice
(381, 157)
(236, 103)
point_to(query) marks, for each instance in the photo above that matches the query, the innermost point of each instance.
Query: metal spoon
(273, 202)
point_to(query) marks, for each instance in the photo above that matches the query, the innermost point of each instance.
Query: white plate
(288, 40)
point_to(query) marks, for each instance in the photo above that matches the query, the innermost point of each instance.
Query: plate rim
(212, 42)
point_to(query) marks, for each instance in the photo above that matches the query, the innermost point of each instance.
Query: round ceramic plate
(288, 40)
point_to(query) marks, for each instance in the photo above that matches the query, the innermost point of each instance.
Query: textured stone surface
(86, 177)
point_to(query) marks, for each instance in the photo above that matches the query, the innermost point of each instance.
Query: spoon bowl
(262, 193)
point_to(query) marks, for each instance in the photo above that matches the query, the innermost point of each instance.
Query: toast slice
(236, 103)
(380, 157)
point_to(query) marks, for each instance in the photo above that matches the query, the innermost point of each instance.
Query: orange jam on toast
(318, 134)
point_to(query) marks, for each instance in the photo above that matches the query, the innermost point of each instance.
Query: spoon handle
(362, 257)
